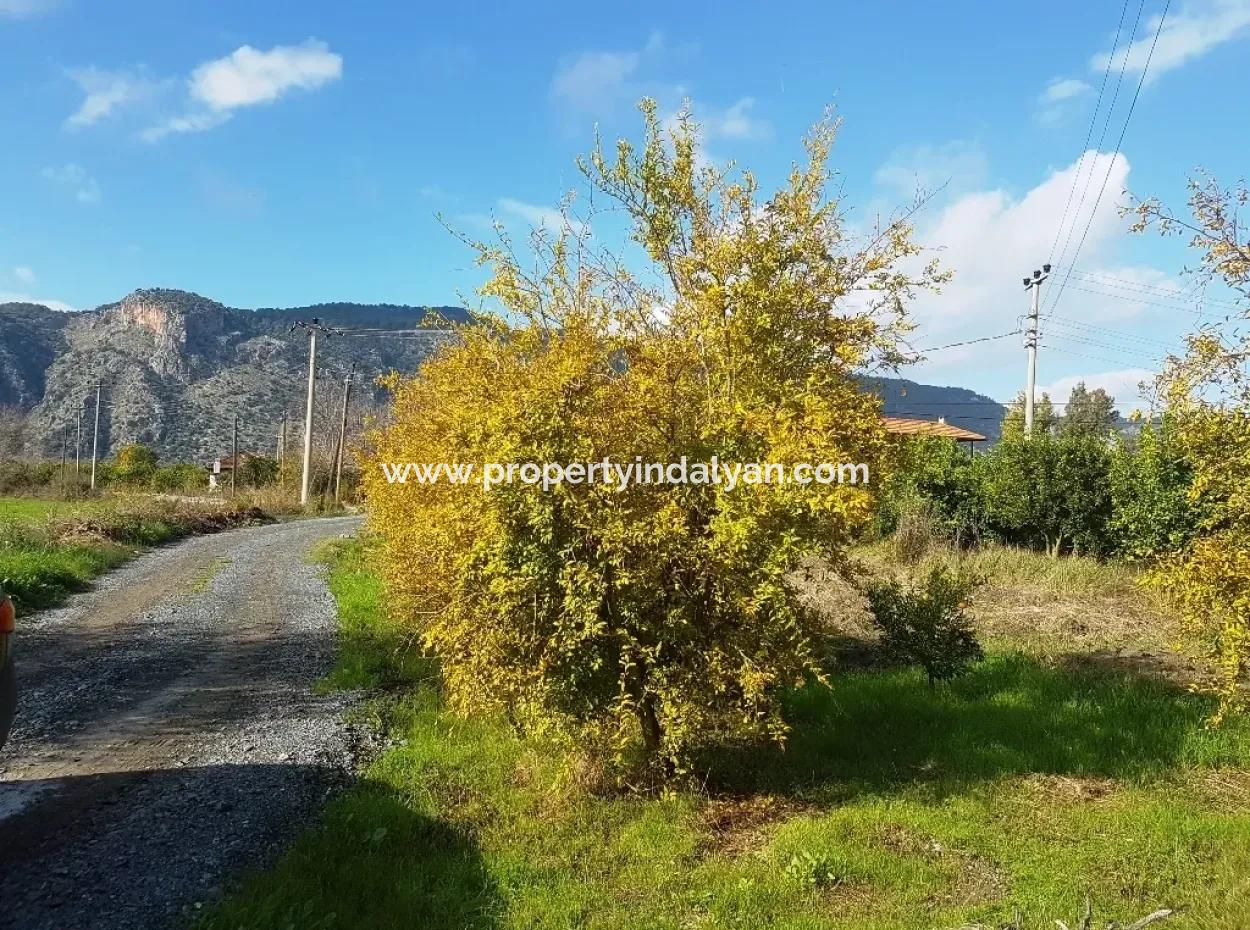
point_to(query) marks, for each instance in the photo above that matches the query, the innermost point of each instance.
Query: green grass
(1023, 784)
(374, 652)
(28, 510)
(52, 549)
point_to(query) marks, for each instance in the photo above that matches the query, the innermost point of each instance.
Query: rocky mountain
(175, 368)
(31, 337)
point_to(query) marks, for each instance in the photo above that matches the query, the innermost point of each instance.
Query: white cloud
(74, 178)
(594, 81)
(992, 239)
(1123, 384)
(7, 297)
(248, 77)
(1187, 34)
(105, 92)
(735, 122)
(24, 275)
(546, 217)
(1059, 98)
(960, 165)
(1064, 89)
(190, 122)
(600, 84)
(20, 9)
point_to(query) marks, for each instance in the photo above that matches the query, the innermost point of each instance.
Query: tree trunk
(649, 721)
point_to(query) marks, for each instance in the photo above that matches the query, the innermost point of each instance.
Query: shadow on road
(139, 849)
(373, 861)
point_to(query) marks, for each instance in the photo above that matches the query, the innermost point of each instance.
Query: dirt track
(168, 737)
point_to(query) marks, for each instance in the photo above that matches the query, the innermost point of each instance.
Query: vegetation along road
(169, 732)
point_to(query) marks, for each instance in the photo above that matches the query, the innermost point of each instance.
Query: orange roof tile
(905, 427)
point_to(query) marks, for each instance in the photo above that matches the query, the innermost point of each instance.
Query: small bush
(928, 624)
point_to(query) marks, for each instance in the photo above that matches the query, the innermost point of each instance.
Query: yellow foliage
(1207, 394)
(657, 615)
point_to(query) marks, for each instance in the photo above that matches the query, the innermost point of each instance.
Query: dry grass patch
(737, 826)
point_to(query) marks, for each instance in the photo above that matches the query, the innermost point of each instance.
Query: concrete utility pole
(64, 430)
(282, 448)
(234, 456)
(313, 327)
(1030, 341)
(95, 436)
(338, 457)
(78, 443)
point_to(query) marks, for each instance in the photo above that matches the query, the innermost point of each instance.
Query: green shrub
(937, 476)
(180, 477)
(927, 624)
(1152, 513)
(134, 464)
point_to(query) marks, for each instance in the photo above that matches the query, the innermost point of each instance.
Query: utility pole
(338, 458)
(1030, 341)
(64, 430)
(282, 450)
(313, 327)
(234, 456)
(95, 436)
(78, 443)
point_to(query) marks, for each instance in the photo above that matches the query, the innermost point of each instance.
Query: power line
(382, 331)
(1093, 166)
(1064, 321)
(1089, 132)
(1122, 341)
(1138, 301)
(1151, 290)
(1064, 350)
(1120, 141)
(1085, 339)
(965, 403)
(968, 342)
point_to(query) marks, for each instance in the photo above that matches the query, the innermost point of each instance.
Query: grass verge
(49, 549)
(1026, 784)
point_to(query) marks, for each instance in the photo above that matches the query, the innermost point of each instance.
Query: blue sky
(285, 153)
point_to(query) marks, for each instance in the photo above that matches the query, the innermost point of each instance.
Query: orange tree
(649, 617)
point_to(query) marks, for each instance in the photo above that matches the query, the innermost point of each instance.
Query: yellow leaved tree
(1207, 396)
(650, 618)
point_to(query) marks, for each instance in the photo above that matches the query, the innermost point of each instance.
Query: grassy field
(28, 510)
(50, 549)
(1029, 783)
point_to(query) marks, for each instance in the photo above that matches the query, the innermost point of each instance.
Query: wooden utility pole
(234, 457)
(338, 458)
(95, 435)
(313, 327)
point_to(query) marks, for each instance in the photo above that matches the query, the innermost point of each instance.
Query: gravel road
(168, 737)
